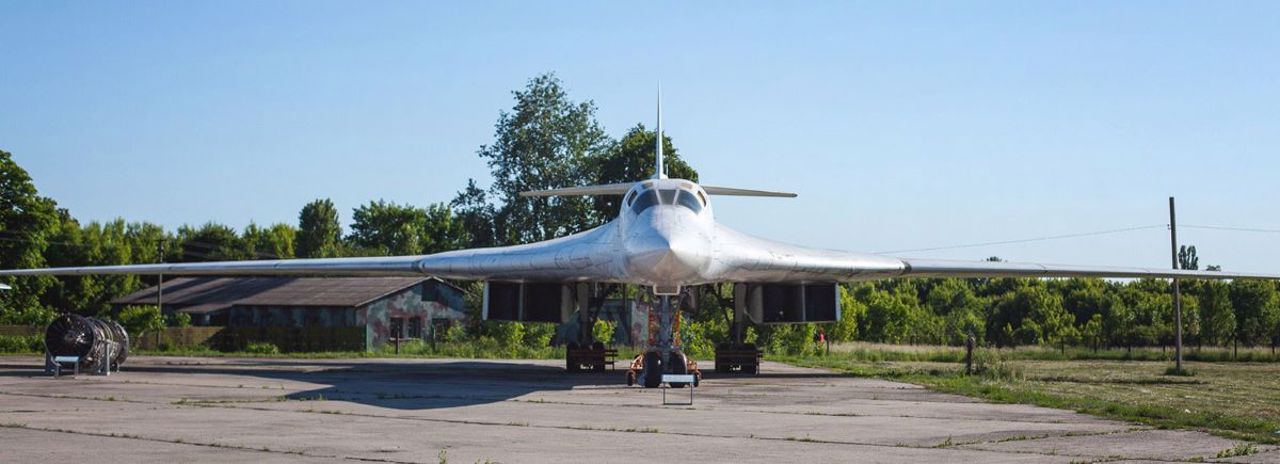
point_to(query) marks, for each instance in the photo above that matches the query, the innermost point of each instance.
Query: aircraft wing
(584, 256)
(948, 268)
(752, 259)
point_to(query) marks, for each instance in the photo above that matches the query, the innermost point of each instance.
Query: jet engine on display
(90, 339)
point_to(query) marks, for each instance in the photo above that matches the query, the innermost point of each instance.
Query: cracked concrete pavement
(170, 409)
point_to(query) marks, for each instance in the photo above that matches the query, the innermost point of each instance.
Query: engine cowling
(790, 303)
(528, 301)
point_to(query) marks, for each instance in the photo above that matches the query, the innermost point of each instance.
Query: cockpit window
(687, 200)
(668, 196)
(631, 197)
(644, 201)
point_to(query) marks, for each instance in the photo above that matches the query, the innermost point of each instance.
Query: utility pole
(1177, 291)
(160, 285)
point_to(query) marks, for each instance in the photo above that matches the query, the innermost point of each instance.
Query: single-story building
(386, 307)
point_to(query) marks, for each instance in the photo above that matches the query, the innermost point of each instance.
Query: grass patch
(1241, 449)
(882, 352)
(1234, 400)
(482, 349)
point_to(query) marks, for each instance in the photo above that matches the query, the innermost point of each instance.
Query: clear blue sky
(902, 125)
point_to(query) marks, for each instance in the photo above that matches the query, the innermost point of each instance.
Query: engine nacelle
(528, 301)
(789, 303)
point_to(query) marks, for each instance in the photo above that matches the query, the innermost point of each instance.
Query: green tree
(1192, 320)
(1084, 298)
(1120, 326)
(632, 159)
(442, 231)
(141, 320)
(1046, 319)
(210, 242)
(961, 309)
(1256, 307)
(1217, 312)
(105, 244)
(384, 228)
(888, 319)
(851, 312)
(27, 220)
(1092, 331)
(275, 242)
(1153, 314)
(68, 247)
(319, 233)
(472, 210)
(1187, 258)
(545, 141)
(1014, 309)
(145, 240)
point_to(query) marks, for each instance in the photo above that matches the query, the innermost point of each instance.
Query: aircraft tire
(652, 370)
(679, 365)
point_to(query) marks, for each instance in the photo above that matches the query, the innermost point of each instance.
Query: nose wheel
(647, 369)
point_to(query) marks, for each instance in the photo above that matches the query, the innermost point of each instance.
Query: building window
(397, 328)
(415, 327)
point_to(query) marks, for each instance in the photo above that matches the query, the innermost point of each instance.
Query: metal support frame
(583, 298)
(102, 366)
(687, 379)
(739, 312)
(666, 342)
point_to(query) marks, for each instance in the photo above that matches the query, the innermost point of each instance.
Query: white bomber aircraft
(666, 240)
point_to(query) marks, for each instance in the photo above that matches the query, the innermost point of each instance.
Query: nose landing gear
(647, 369)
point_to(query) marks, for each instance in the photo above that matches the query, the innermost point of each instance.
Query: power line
(1033, 239)
(1233, 228)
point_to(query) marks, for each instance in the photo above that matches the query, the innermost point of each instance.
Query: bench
(594, 359)
(746, 361)
(58, 361)
(611, 357)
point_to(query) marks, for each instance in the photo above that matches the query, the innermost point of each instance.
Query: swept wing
(579, 257)
(751, 259)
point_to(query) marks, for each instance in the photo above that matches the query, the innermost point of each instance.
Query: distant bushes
(262, 348)
(21, 344)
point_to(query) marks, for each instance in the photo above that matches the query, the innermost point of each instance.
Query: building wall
(291, 316)
(427, 302)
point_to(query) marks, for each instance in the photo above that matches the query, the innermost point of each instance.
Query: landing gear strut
(738, 356)
(647, 369)
(664, 355)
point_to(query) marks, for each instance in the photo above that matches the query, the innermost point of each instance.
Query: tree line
(547, 140)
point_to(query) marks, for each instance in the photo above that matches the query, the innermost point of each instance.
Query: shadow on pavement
(404, 384)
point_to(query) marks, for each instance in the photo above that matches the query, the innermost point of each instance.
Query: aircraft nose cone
(667, 257)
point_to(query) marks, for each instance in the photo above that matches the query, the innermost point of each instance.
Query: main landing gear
(591, 357)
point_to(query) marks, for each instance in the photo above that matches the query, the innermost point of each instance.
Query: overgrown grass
(1234, 400)
(879, 352)
(480, 349)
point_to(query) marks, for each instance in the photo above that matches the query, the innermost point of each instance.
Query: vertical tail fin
(661, 172)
